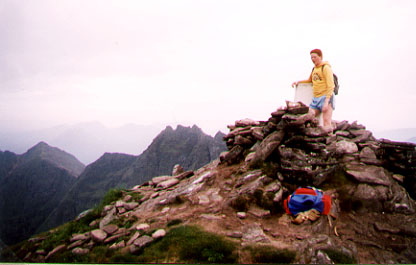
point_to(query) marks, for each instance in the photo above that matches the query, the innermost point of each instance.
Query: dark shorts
(318, 103)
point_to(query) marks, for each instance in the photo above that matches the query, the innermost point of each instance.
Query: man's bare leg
(327, 117)
(315, 115)
(314, 112)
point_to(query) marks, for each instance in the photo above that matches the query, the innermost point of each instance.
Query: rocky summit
(231, 210)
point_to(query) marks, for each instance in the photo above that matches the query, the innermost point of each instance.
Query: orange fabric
(305, 191)
(326, 199)
(285, 203)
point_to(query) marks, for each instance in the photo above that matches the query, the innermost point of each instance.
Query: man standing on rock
(322, 80)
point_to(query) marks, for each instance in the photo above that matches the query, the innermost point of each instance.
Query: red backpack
(304, 199)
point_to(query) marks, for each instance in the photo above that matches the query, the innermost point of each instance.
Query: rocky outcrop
(304, 154)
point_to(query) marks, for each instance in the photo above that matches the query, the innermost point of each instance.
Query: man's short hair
(317, 51)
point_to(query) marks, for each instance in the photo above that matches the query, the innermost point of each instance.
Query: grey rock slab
(254, 233)
(168, 183)
(369, 174)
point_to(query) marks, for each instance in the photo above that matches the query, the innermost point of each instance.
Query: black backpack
(336, 88)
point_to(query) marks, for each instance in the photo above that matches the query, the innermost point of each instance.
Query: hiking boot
(312, 215)
(300, 218)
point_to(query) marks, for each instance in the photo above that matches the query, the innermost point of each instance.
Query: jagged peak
(219, 135)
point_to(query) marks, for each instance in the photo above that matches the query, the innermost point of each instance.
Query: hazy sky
(201, 62)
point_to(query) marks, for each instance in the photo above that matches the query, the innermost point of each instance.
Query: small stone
(112, 238)
(76, 244)
(398, 177)
(261, 213)
(118, 245)
(165, 210)
(110, 229)
(168, 183)
(246, 122)
(257, 132)
(143, 241)
(133, 238)
(250, 156)
(185, 175)
(157, 180)
(80, 251)
(41, 252)
(344, 147)
(241, 215)
(159, 233)
(142, 227)
(56, 250)
(177, 169)
(98, 235)
(203, 199)
(77, 237)
(108, 218)
(93, 223)
(127, 198)
(278, 196)
(235, 234)
(108, 208)
(130, 205)
(210, 216)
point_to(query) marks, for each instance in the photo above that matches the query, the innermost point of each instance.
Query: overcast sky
(201, 62)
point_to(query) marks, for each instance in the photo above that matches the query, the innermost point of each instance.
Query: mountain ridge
(188, 146)
(32, 185)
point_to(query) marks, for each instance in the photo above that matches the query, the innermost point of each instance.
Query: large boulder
(369, 174)
(268, 146)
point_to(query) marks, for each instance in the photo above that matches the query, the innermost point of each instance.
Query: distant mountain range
(402, 135)
(86, 141)
(46, 186)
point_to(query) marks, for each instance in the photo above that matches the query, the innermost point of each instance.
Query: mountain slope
(32, 185)
(238, 203)
(99, 177)
(189, 147)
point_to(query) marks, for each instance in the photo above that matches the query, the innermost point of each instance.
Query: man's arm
(295, 84)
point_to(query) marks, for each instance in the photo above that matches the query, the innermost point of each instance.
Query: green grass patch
(136, 196)
(65, 232)
(111, 196)
(269, 254)
(190, 244)
(174, 222)
(339, 257)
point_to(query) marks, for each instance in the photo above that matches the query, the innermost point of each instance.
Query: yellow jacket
(322, 81)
